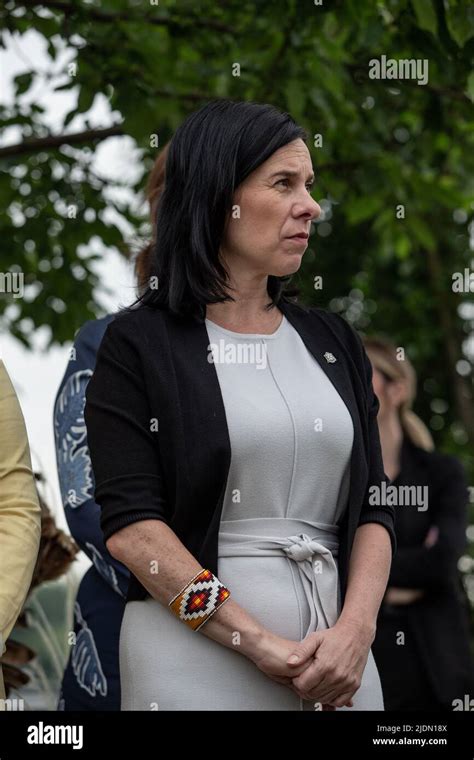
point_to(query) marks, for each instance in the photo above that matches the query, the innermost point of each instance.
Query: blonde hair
(383, 356)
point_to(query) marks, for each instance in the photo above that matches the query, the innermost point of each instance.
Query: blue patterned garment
(91, 679)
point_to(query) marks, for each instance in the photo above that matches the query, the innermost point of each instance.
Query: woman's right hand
(271, 655)
(271, 658)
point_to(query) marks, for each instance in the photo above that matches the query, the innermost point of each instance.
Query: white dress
(291, 439)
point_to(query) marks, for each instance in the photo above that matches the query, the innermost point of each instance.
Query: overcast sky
(36, 374)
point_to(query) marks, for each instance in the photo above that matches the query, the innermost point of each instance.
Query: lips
(302, 235)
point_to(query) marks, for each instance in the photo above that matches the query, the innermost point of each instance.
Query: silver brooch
(330, 357)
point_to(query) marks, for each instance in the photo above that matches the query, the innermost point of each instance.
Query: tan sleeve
(20, 516)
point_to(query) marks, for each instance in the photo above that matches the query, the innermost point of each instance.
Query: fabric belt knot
(302, 548)
(318, 567)
(314, 559)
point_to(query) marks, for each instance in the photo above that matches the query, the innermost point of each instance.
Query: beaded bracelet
(199, 599)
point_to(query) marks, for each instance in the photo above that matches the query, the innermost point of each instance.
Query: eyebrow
(290, 173)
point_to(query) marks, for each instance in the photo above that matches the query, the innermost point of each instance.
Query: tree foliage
(387, 145)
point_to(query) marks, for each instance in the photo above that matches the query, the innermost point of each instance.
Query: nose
(316, 210)
(309, 208)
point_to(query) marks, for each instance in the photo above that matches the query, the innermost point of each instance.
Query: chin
(290, 265)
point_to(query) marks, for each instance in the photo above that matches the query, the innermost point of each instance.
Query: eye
(309, 185)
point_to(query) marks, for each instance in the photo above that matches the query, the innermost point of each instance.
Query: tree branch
(95, 14)
(91, 135)
(55, 141)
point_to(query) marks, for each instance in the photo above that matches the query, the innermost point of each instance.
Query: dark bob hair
(211, 153)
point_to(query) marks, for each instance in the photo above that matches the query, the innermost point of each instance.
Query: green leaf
(365, 207)
(23, 82)
(460, 22)
(421, 231)
(70, 116)
(470, 86)
(85, 99)
(402, 246)
(296, 97)
(426, 15)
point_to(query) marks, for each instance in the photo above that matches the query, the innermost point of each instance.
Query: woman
(233, 439)
(20, 514)
(422, 642)
(91, 680)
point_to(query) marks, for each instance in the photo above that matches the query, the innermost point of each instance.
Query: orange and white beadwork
(199, 599)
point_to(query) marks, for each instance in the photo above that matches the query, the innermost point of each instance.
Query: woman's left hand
(339, 656)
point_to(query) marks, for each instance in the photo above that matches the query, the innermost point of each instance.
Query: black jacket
(153, 371)
(437, 624)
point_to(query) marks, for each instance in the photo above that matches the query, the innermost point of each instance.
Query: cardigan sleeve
(20, 514)
(436, 567)
(124, 451)
(384, 514)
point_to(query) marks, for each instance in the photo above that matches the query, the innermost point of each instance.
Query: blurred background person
(34, 659)
(422, 643)
(91, 679)
(19, 513)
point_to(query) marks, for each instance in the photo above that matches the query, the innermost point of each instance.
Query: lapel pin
(330, 357)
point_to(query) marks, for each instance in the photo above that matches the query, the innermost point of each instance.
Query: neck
(248, 307)
(248, 288)
(391, 439)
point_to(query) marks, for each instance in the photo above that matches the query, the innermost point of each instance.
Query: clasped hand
(329, 664)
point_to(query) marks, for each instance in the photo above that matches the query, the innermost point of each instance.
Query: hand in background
(431, 537)
(398, 595)
(395, 595)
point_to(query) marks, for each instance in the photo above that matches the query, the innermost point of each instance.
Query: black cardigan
(153, 372)
(438, 623)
